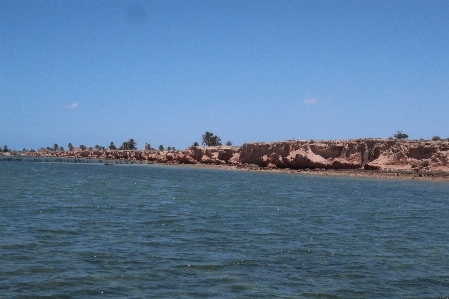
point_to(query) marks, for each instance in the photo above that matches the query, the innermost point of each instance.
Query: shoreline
(429, 175)
(442, 176)
(369, 157)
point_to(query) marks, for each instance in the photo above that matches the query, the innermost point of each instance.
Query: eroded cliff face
(294, 154)
(371, 154)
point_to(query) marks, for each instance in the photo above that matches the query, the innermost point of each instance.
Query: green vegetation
(112, 146)
(83, 147)
(399, 135)
(436, 138)
(55, 147)
(195, 144)
(209, 139)
(6, 149)
(426, 164)
(70, 146)
(161, 147)
(129, 145)
(229, 143)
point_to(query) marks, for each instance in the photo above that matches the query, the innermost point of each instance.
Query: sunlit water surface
(88, 231)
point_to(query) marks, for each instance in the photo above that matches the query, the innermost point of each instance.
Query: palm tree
(83, 147)
(129, 145)
(195, 144)
(215, 140)
(55, 147)
(161, 147)
(207, 137)
(132, 144)
(97, 147)
(70, 147)
(112, 146)
(229, 143)
(61, 148)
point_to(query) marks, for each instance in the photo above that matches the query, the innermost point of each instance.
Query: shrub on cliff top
(112, 146)
(436, 138)
(400, 135)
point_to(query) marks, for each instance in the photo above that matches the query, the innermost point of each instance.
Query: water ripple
(83, 231)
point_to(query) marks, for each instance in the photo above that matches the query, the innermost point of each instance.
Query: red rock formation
(370, 154)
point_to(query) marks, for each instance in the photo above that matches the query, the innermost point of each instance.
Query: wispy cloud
(310, 101)
(72, 106)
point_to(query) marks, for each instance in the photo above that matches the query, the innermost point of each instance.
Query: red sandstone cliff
(374, 154)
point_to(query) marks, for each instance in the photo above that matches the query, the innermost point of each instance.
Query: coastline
(369, 157)
(426, 175)
(442, 176)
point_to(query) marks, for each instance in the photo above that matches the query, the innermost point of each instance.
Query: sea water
(91, 231)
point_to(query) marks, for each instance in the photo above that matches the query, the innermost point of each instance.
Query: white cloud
(310, 101)
(72, 106)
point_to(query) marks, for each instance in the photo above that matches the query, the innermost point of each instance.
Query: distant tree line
(208, 139)
(402, 136)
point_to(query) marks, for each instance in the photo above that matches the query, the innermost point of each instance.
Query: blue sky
(164, 72)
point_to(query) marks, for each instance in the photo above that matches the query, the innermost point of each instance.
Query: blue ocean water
(91, 231)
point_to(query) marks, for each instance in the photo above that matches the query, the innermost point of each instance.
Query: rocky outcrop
(369, 154)
(306, 154)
